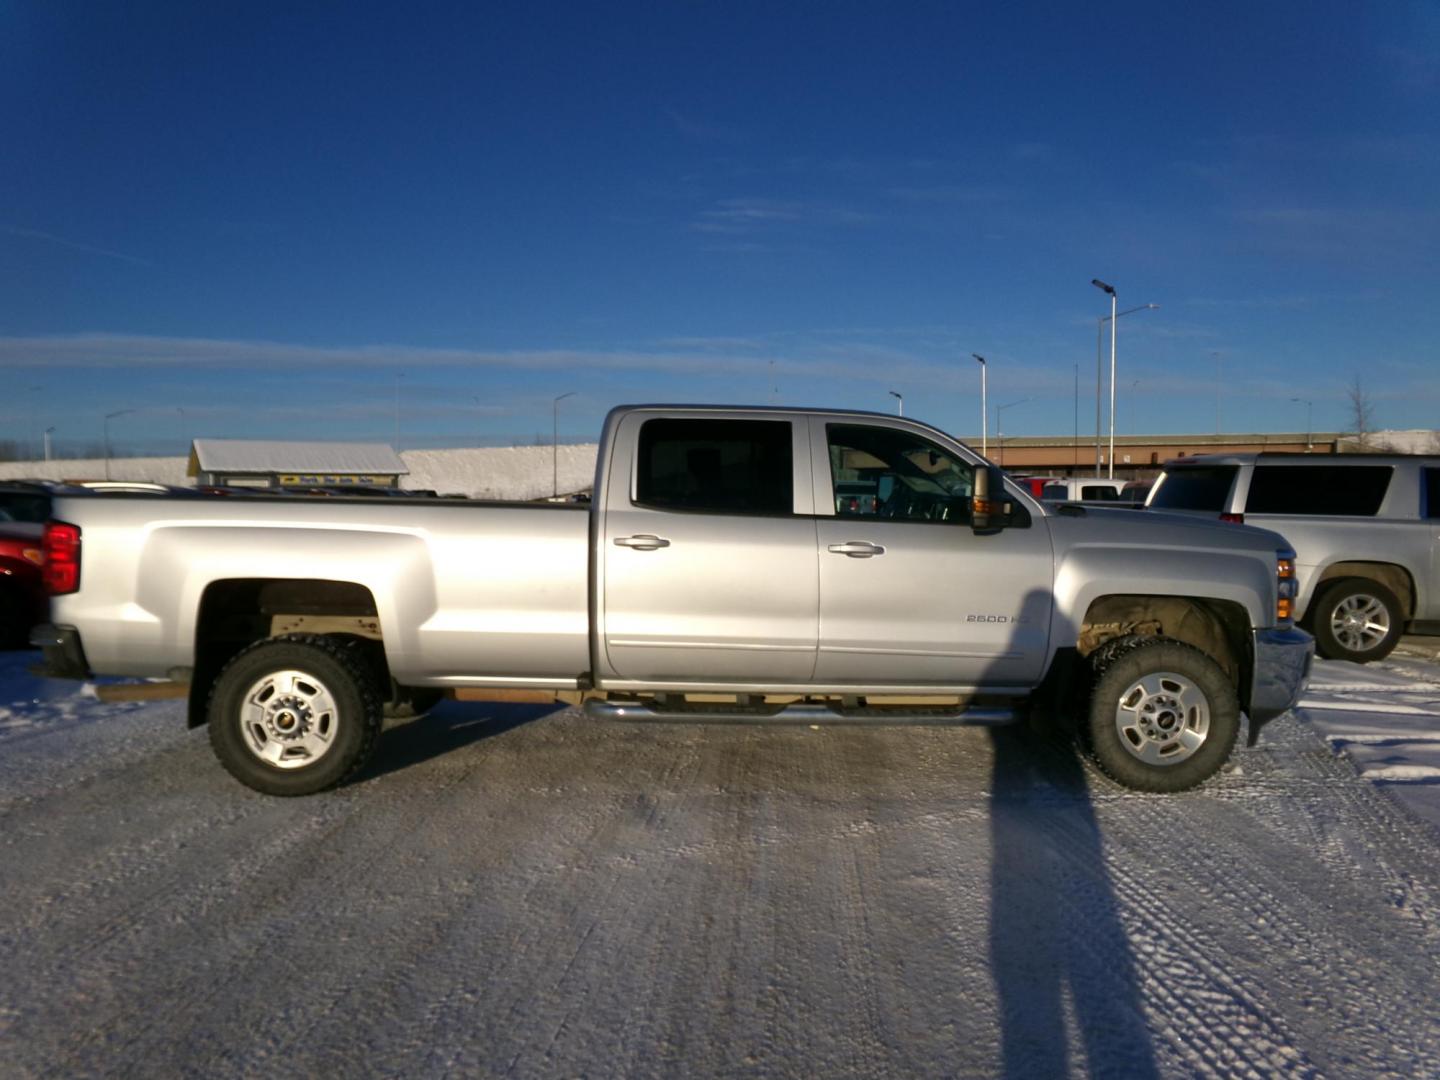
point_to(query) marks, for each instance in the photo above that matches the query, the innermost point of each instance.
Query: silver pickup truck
(755, 564)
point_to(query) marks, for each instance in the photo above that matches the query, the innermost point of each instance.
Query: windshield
(1205, 487)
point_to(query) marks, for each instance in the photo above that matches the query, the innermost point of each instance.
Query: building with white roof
(260, 463)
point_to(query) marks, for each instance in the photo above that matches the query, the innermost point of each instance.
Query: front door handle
(643, 542)
(857, 549)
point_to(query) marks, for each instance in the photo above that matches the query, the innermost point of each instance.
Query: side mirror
(990, 507)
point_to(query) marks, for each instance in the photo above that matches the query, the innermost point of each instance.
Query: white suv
(1365, 529)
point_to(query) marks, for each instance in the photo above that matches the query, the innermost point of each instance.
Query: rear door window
(1432, 493)
(1098, 493)
(716, 466)
(1203, 487)
(1334, 490)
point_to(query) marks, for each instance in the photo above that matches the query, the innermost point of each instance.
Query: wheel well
(1218, 628)
(238, 612)
(1395, 578)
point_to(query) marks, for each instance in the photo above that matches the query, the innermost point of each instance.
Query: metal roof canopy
(260, 456)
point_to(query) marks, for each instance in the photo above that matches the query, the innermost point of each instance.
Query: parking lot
(515, 890)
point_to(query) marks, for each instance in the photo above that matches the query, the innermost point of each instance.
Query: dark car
(22, 597)
(25, 500)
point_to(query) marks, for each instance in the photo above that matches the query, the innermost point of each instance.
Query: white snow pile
(510, 472)
(507, 472)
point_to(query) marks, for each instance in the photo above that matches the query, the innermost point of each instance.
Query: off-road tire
(1119, 668)
(1323, 611)
(340, 669)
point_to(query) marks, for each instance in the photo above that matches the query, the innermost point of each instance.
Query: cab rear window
(1203, 487)
(716, 466)
(1336, 490)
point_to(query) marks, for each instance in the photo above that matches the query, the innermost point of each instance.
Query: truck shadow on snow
(1055, 929)
(448, 728)
(1058, 946)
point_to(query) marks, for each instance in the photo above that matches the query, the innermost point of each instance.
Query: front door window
(880, 472)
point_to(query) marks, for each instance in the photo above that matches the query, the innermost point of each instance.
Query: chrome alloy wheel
(289, 719)
(1360, 622)
(1163, 718)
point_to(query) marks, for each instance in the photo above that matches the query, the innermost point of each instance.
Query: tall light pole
(48, 432)
(1216, 355)
(999, 437)
(30, 442)
(901, 399)
(398, 376)
(1112, 318)
(1308, 406)
(984, 417)
(555, 442)
(108, 418)
(1099, 373)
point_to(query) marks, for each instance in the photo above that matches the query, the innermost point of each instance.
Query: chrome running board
(632, 711)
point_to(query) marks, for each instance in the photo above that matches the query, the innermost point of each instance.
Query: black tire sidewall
(1330, 597)
(1104, 741)
(356, 705)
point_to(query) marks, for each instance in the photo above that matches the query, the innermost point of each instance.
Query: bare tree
(1362, 414)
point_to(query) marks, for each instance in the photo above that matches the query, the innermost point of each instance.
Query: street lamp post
(48, 432)
(398, 376)
(1109, 290)
(1113, 319)
(108, 418)
(984, 418)
(999, 437)
(901, 399)
(555, 442)
(1309, 445)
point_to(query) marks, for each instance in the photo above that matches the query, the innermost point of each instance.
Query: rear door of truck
(707, 549)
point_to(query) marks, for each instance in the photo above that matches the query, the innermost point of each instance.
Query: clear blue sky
(270, 216)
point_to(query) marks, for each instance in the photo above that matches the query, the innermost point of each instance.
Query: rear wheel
(1163, 716)
(1357, 620)
(294, 715)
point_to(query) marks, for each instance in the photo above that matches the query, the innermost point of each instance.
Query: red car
(22, 599)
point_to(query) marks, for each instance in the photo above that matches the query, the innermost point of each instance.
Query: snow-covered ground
(517, 890)
(1386, 719)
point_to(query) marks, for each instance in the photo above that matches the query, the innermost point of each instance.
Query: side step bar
(632, 711)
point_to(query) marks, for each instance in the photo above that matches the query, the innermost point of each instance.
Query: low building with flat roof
(260, 463)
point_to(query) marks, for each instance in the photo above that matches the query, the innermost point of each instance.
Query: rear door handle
(643, 542)
(857, 549)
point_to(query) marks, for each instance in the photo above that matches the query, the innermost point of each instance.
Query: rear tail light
(1233, 519)
(60, 570)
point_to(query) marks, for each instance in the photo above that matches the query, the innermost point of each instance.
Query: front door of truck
(708, 550)
(909, 594)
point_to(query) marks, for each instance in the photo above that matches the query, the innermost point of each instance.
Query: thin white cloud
(73, 245)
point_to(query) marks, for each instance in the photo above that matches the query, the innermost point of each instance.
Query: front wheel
(1357, 620)
(1163, 716)
(294, 715)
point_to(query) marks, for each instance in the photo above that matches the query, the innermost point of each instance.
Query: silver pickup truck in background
(1365, 528)
(736, 563)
